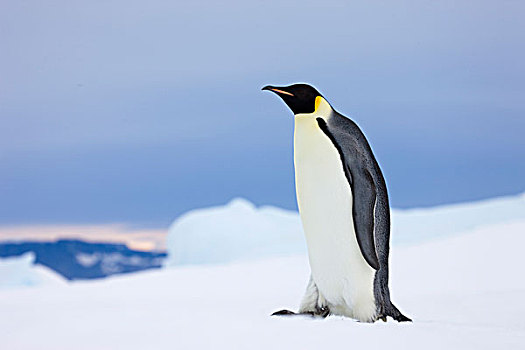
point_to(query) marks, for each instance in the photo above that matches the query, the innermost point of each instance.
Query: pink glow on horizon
(137, 239)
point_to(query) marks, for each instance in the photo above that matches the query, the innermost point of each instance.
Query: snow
(417, 225)
(236, 231)
(20, 271)
(239, 231)
(111, 263)
(463, 290)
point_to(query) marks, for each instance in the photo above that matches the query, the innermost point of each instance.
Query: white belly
(324, 197)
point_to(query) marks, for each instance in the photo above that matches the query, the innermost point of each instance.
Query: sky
(136, 112)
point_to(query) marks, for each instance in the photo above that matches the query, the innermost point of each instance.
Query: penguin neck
(307, 124)
(322, 110)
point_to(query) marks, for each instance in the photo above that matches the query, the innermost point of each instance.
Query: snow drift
(21, 271)
(236, 231)
(417, 225)
(240, 231)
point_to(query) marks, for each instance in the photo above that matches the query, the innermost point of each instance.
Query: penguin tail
(393, 312)
(382, 295)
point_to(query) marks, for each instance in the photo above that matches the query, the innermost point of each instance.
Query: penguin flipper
(364, 199)
(344, 135)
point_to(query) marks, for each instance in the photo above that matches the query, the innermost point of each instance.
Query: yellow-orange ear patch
(317, 102)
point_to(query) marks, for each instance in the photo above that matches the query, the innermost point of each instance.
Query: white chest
(325, 203)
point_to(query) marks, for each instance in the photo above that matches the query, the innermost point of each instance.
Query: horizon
(154, 239)
(134, 113)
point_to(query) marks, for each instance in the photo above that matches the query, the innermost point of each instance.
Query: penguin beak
(277, 90)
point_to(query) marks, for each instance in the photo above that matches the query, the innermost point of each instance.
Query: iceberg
(236, 231)
(241, 231)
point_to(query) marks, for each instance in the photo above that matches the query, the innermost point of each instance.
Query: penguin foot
(319, 312)
(291, 313)
(283, 313)
(323, 311)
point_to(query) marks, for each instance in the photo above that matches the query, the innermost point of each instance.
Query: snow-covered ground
(464, 290)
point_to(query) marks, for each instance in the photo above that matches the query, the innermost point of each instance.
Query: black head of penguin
(299, 97)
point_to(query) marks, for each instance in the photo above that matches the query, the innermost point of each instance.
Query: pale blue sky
(137, 111)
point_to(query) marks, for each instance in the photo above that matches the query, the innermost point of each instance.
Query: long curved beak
(278, 90)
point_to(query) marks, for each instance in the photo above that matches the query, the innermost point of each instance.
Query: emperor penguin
(343, 204)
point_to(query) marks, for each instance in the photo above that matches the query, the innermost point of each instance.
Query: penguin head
(300, 98)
